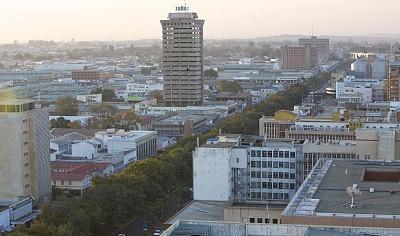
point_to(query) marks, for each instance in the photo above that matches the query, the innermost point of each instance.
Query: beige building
(273, 128)
(323, 135)
(183, 58)
(24, 151)
(377, 144)
(321, 43)
(250, 213)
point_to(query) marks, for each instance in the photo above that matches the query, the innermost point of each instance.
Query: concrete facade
(183, 58)
(299, 57)
(24, 151)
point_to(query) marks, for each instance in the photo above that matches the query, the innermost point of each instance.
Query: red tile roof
(75, 170)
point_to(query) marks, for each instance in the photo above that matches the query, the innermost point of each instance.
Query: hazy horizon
(59, 20)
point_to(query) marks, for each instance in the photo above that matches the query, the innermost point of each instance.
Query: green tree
(158, 95)
(210, 74)
(107, 94)
(60, 122)
(228, 86)
(127, 120)
(67, 106)
(103, 110)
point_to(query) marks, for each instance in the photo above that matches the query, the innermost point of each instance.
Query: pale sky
(139, 19)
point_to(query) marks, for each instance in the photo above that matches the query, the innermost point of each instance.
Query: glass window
(292, 165)
(275, 153)
(258, 164)
(281, 164)
(264, 164)
(253, 164)
(286, 154)
(264, 153)
(252, 220)
(259, 220)
(264, 174)
(292, 176)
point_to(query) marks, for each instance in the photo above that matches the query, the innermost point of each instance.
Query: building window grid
(266, 179)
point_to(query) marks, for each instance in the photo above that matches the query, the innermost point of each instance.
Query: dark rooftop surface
(385, 200)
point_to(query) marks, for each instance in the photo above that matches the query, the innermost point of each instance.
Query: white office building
(232, 168)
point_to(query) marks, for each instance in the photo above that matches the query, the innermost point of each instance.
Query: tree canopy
(210, 74)
(107, 94)
(228, 86)
(67, 106)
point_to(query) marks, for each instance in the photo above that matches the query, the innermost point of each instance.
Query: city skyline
(23, 20)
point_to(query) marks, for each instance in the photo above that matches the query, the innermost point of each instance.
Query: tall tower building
(24, 151)
(183, 58)
(393, 82)
(322, 44)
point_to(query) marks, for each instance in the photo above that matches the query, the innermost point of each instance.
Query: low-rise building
(180, 125)
(90, 98)
(76, 177)
(145, 88)
(144, 142)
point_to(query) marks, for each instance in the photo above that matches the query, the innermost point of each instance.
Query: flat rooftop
(200, 211)
(207, 228)
(385, 200)
(323, 193)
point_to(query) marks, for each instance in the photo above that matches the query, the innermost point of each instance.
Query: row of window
(266, 221)
(280, 154)
(273, 164)
(270, 175)
(269, 196)
(272, 185)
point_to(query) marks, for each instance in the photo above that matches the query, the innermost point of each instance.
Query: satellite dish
(353, 191)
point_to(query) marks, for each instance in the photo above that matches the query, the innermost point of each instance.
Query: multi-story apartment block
(321, 43)
(228, 168)
(299, 57)
(358, 91)
(24, 151)
(183, 58)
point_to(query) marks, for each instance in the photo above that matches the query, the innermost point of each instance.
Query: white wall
(84, 149)
(120, 145)
(130, 157)
(212, 174)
